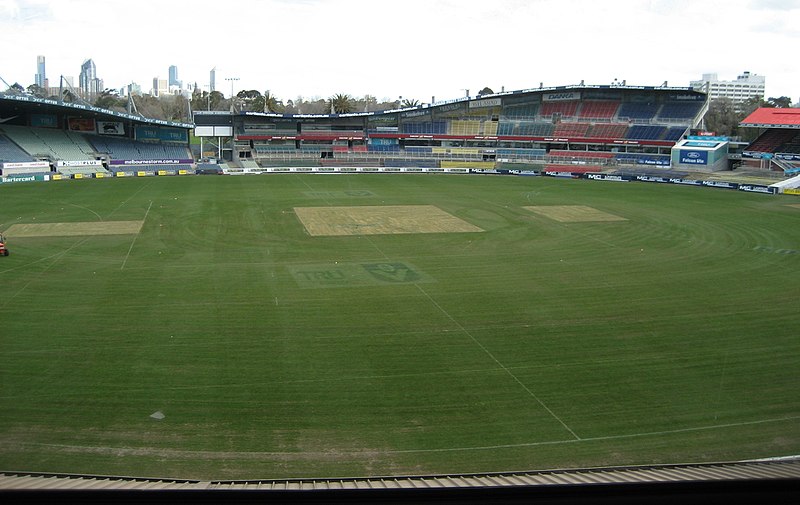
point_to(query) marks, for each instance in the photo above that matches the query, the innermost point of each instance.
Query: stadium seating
(574, 130)
(520, 153)
(771, 140)
(527, 111)
(51, 143)
(464, 127)
(598, 109)
(607, 131)
(425, 128)
(674, 133)
(679, 110)
(126, 149)
(383, 148)
(580, 154)
(646, 132)
(526, 128)
(11, 152)
(637, 112)
(565, 109)
(792, 147)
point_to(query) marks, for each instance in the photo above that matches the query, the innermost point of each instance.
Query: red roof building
(767, 117)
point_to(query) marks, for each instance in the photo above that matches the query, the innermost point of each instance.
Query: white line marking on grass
(136, 236)
(87, 208)
(608, 437)
(57, 257)
(317, 455)
(148, 183)
(489, 353)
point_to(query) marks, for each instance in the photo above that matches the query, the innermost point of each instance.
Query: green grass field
(672, 336)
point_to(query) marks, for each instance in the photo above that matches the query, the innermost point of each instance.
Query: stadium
(564, 285)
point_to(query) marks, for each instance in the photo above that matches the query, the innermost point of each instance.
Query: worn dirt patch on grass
(795, 205)
(573, 213)
(74, 229)
(380, 220)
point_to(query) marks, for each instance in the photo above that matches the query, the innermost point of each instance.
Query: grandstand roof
(13, 104)
(767, 117)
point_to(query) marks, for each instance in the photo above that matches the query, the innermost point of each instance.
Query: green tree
(723, 117)
(340, 103)
(272, 104)
(68, 96)
(203, 100)
(486, 91)
(16, 88)
(250, 99)
(751, 104)
(781, 102)
(37, 91)
(110, 99)
(409, 102)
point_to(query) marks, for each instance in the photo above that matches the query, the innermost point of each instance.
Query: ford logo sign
(693, 155)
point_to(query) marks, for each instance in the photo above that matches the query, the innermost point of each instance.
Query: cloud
(776, 5)
(23, 11)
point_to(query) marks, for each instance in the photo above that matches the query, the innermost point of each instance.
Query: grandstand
(601, 127)
(778, 146)
(45, 138)
(609, 124)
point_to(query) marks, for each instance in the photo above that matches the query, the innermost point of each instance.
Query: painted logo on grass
(346, 275)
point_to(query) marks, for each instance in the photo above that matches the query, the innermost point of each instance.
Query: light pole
(232, 79)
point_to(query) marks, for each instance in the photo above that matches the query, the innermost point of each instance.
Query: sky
(415, 49)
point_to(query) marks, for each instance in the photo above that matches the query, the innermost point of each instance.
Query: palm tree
(409, 102)
(340, 103)
(271, 104)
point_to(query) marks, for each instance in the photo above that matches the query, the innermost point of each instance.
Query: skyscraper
(89, 84)
(213, 77)
(173, 77)
(41, 77)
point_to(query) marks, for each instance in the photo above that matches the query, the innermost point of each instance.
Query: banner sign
(25, 178)
(172, 134)
(80, 124)
(161, 133)
(757, 188)
(80, 163)
(562, 97)
(27, 164)
(608, 177)
(44, 121)
(150, 162)
(685, 182)
(146, 132)
(649, 178)
(721, 184)
(110, 128)
(693, 157)
(488, 102)
(562, 174)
